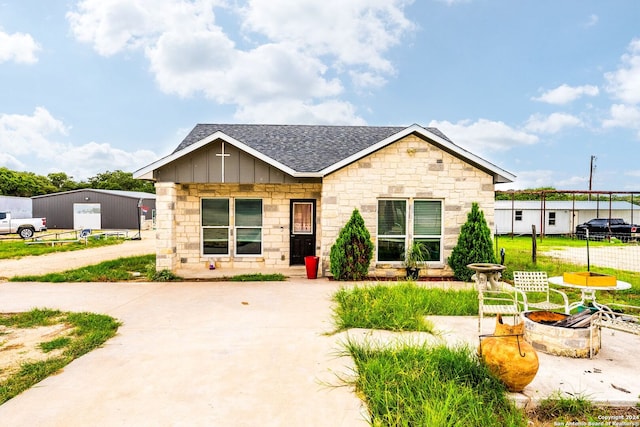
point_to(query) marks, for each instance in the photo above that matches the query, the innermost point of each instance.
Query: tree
(119, 180)
(474, 245)
(62, 182)
(23, 184)
(351, 254)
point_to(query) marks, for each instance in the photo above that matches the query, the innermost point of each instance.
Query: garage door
(87, 215)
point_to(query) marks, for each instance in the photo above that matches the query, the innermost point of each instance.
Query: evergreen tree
(474, 245)
(351, 254)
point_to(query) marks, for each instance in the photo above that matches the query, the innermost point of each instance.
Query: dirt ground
(22, 345)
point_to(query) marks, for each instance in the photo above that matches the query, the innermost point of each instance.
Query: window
(215, 226)
(552, 218)
(248, 216)
(518, 216)
(392, 229)
(394, 235)
(302, 218)
(427, 227)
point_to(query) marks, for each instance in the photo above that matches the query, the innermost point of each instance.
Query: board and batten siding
(206, 165)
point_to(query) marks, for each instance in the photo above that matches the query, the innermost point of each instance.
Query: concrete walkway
(194, 354)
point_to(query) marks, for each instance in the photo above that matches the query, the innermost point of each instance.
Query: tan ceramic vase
(508, 356)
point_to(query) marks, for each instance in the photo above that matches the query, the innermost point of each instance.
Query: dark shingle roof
(303, 148)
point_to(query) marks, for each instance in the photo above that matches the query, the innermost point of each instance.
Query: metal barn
(95, 209)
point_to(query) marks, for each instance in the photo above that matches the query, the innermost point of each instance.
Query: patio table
(589, 292)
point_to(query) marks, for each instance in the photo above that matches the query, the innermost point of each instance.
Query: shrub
(474, 245)
(351, 254)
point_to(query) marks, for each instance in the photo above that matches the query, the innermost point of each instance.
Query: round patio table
(589, 292)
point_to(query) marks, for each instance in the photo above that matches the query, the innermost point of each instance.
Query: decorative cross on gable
(222, 155)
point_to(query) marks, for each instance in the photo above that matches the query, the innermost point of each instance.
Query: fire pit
(561, 334)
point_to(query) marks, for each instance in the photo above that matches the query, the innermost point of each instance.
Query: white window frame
(439, 236)
(238, 227)
(409, 232)
(205, 227)
(391, 236)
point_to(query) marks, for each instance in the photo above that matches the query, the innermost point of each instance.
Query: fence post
(534, 248)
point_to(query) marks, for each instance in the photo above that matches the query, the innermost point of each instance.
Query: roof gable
(313, 151)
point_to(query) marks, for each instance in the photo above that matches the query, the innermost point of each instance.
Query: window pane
(215, 241)
(248, 212)
(390, 249)
(427, 218)
(392, 217)
(432, 249)
(303, 218)
(249, 241)
(215, 212)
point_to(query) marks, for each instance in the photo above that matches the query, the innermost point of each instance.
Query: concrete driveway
(193, 354)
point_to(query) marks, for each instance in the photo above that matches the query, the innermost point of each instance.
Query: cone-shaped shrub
(474, 245)
(351, 254)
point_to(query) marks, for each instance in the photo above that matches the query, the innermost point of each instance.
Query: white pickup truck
(25, 227)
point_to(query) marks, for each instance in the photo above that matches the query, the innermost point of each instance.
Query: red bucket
(311, 262)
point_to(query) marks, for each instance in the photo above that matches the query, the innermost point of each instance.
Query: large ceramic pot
(508, 356)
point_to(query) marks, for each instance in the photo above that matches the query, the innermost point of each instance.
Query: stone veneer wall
(408, 169)
(178, 222)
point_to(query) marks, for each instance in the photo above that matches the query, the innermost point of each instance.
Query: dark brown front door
(302, 228)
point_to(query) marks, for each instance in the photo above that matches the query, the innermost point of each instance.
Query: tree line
(28, 184)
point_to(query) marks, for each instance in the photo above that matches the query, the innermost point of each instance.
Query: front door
(302, 227)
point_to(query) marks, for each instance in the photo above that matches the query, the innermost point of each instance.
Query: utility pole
(592, 169)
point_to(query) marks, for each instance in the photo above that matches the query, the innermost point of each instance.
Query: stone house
(262, 197)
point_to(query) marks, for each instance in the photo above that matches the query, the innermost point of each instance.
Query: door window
(303, 218)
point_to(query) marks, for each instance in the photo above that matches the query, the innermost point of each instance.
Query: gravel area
(618, 257)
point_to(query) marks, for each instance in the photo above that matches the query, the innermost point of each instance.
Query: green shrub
(351, 254)
(474, 245)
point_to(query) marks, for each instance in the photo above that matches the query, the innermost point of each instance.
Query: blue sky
(536, 87)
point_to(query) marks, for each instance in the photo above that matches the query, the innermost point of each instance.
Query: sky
(537, 87)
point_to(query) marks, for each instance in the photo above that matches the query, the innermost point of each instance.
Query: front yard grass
(419, 385)
(117, 270)
(17, 248)
(85, 332)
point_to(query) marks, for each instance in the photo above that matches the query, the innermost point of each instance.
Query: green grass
(258, 277)
(563, 410)
(519, 257)
(108, 271)
(399, 307)
(430, 386)
(89, 332)
(18, 248)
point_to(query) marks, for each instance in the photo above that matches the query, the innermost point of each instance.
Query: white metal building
(557, 217)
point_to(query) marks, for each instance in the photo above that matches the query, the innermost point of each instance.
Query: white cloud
(38, 140)
(293, 52)
(592, 21)
(88, 159)
(18, 47)
(484, 135)
(356, 33)
(625, 116)
(331, 112)
(23, 134)
(624, 83)
(564, 94)
(552, 123)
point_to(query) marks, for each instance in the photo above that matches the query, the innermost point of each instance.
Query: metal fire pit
(540, 332)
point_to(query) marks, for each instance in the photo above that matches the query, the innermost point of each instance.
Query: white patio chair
(536, 281)
(502, 300)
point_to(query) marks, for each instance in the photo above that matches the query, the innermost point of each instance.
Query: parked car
(25, 227)
(600, 228)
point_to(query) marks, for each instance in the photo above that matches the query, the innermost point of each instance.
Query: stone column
(166, 254)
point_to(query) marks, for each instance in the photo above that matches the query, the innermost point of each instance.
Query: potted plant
(416, 255)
